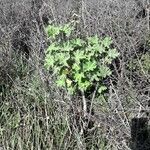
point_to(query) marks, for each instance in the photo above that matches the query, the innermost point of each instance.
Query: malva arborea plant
(77, 63)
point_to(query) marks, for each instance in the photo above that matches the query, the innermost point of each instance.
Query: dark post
(140, 134)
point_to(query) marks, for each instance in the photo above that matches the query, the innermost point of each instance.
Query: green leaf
(101, 49)
(107, 42)
(107, 60)
(79, 54)
(67, 29)
(89, 48)
(76, 67)
(52, 31)
(84, 85)
(94, 78)
(61, 81)
(78, 77)
(102, 89)
(49, 61)
(53, 48)
(90, 55)
(89, 66)
(93, 40)
(96, 48)
(112, 53)
(67, 47)
(56, 70)
(71, 89)
(62, 58)
(104, 71)
(77, 42)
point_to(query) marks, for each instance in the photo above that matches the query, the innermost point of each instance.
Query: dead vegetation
(34, 113)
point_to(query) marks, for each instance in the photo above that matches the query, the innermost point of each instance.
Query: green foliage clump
(78, 63)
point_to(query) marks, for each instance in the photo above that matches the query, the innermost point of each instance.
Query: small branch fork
(85, 104)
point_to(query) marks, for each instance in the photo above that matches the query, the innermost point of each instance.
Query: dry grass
(34, 113)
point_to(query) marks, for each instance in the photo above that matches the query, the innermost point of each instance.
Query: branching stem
(84, 104)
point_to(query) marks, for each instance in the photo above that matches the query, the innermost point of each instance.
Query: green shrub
(78, 63)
